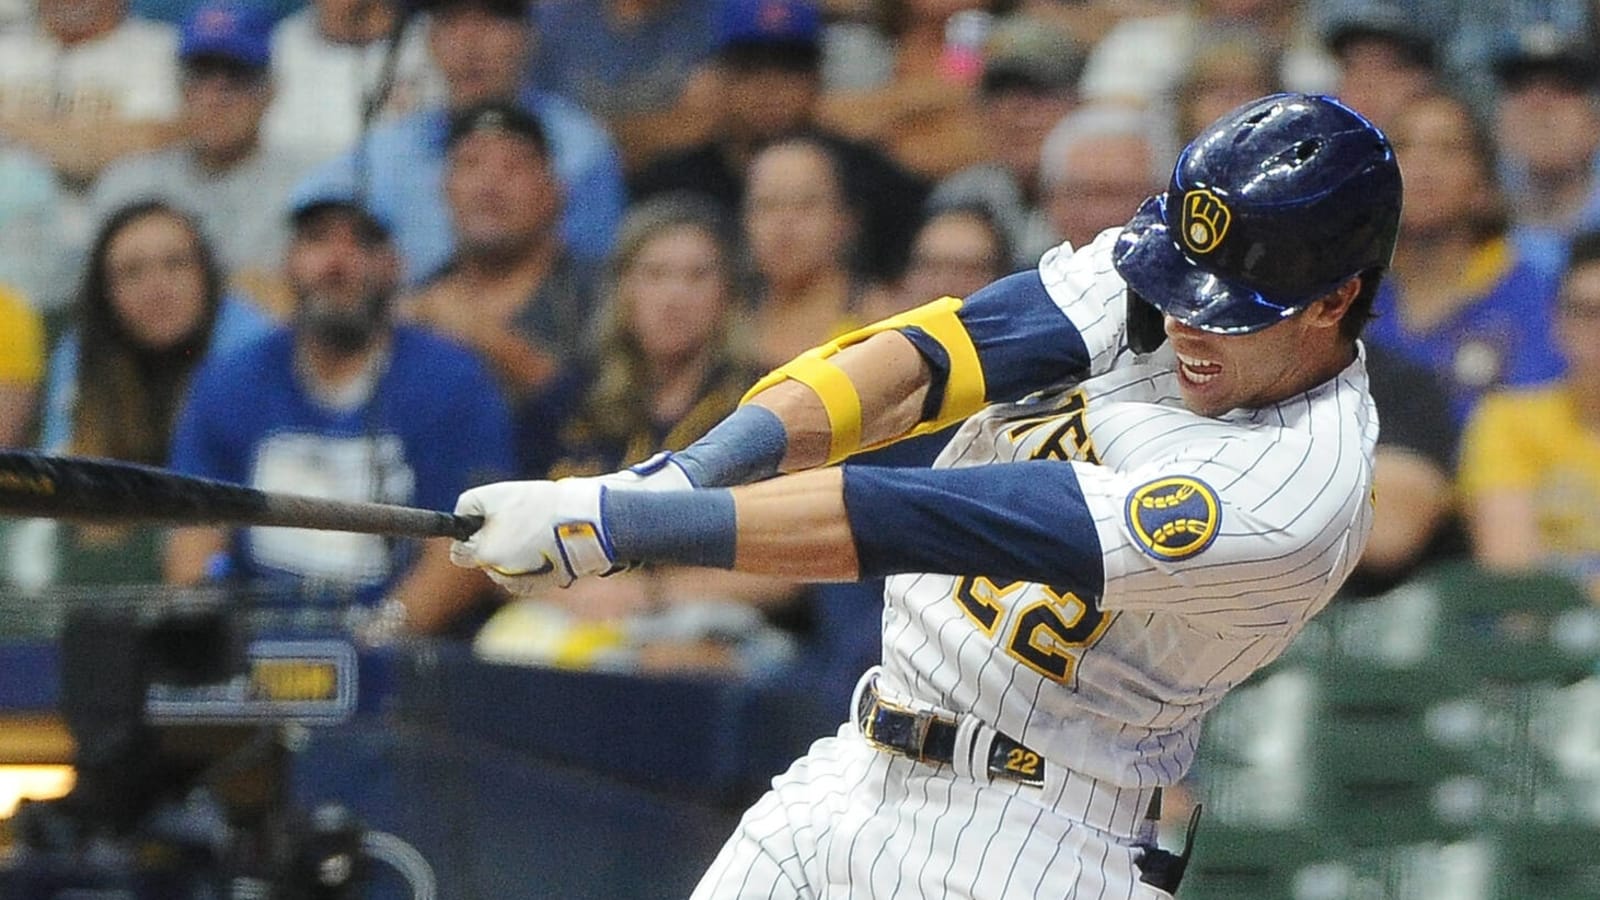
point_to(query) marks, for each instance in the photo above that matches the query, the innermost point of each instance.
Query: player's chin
(1208, 398)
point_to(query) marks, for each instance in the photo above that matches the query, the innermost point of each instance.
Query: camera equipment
(182, 765)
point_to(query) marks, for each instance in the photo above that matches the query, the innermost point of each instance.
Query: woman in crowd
(668, 367)
(1460, 299)
(800, 228)
(149, 308)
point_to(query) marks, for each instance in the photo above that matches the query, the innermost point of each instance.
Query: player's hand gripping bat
(108, 491)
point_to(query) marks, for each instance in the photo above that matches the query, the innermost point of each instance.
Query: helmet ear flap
(1146, 326)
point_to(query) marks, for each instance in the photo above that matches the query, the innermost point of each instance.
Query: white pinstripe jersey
(1221, 537)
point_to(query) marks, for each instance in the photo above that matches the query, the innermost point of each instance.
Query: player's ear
(1330, 309)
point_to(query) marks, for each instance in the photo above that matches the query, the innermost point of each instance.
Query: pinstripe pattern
(1112, 695)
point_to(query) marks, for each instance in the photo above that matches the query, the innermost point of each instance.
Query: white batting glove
(536, 534)
(658, 473)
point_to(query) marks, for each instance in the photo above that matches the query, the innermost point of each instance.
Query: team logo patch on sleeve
(1174, 518)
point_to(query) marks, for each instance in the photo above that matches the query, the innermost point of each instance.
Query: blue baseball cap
(230, 31)
(330, 192)
(745, 22)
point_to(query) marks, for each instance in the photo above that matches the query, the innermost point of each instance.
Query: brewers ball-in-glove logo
(1205, 220)
(1174, 518)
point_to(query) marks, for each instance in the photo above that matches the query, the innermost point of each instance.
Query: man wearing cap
(481, 48)
(220, 170)
(1029, 82)
(768, 68)
(512, 291)
(345, 405)
(1547, 123)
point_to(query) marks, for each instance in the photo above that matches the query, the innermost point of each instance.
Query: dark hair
(1584, 249)
(128, 394)
(985, 215)
(497, 115)
(619, 395)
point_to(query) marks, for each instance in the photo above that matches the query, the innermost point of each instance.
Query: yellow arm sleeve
(963, 389)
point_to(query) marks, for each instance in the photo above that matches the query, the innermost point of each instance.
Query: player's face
(156, 280)
(1218, 373)
(676, 294)
(501, 191)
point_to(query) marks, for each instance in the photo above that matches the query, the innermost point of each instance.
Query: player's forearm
(889, 376)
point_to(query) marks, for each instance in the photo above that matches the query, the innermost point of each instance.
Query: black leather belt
(931, 738)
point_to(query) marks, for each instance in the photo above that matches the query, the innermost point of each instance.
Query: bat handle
(464, 527)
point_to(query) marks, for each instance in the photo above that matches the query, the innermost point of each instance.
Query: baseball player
(1164, 471)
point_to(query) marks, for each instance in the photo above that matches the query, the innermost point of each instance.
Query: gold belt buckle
(921, 721)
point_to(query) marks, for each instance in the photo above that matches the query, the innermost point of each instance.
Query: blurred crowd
(388, 249)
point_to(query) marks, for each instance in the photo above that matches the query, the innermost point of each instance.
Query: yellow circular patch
(1173, 518)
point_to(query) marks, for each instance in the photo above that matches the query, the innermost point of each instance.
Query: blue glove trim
(686, 528)
(1022, 521)
(745, 447)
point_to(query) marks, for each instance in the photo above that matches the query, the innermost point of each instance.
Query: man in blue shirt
(342, 404)
(481, 48)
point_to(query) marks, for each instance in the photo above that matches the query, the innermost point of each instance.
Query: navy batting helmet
(1272, 206)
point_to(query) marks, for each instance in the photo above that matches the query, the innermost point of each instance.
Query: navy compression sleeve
(1024, 341)
(1024, 521)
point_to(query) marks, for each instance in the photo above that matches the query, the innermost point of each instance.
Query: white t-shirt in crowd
(320, 87)
(130, 73)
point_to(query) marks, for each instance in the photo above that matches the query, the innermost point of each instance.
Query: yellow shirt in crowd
(21, 341)
(1531, 440)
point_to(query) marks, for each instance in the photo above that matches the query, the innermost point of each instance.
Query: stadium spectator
(513, 291)
(1096, 164)
(31, 235)
(669, 365)
(88, 84)
(81, 85)
(1548, 126)
(1142, 58)
(768, 74)
(177, 10)
(1029, 82)
(639, 65)
(345, 405)
(1461, 299)
(481, 48)
(1530, 469)
(1386, 60)
(924, 111)
(220, 170)
(800, 226)
(1416, 522)
(328, 59)
(958, 249)
(150, 308)
(21, 366)
(1223, 75)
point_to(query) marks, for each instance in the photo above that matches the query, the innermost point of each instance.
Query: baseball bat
(109, 491)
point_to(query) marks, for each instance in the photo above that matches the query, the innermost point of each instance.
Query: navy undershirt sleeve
(1022, 521)
(1024, 341)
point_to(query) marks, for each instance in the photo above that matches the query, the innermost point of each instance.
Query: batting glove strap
(658, 473)
(580, 536)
